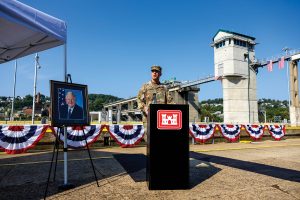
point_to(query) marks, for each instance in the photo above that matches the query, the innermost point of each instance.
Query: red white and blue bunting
(127, 135)
(18, 139)
(276, 131)
(230, 132)
(202, 132)
(256, 132)
(76, 135)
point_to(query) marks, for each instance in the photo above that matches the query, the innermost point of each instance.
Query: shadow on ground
(276, 172)
(135, 166)
(25, 177)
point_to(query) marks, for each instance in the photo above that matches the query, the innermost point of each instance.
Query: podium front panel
(168, 147)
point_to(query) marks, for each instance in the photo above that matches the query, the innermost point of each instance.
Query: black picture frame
(69, 104)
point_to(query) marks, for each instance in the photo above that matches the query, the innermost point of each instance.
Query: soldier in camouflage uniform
(152, 91)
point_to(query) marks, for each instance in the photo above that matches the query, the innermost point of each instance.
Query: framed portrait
(69, 103)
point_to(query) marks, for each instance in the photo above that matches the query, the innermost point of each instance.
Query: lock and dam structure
(236, 66)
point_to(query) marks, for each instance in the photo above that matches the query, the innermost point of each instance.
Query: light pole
(14, 92)
(246, 55)
(286, 50)
(36, 67)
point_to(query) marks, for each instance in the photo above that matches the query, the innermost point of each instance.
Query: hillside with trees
(96, 102)
(210, 110)
(274, 110)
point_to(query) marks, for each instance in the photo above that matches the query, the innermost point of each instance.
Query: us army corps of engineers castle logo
(169, 119)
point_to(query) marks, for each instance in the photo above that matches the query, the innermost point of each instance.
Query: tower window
(251, 46)
(240, 43)
(220, 44)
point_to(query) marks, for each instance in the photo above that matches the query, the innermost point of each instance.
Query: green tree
(27, 101)
(96, 101)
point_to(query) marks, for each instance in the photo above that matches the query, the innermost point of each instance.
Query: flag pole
(13, 101)
(286, 49)
(36, 65)
(288, 79)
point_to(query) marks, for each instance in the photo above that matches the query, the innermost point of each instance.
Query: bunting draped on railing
(256, 132)
(18, 139)
(76, 134)
(276, 131)
(127, 135)
(202, 132)
(230, 132)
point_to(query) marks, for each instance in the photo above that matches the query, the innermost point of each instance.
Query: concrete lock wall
(235, 99)
(294, 94)
(190, 97)
(295, 116)
(194, 111)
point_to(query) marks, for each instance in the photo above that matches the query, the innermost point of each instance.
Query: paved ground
(262, 170)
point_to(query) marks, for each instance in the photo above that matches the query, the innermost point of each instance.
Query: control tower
(233, 54)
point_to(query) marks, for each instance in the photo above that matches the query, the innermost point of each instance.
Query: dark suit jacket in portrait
(77, 112)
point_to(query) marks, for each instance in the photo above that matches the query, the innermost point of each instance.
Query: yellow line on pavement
(48, 161)
(242, 148)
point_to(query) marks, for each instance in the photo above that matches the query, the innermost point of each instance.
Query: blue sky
(113, 43)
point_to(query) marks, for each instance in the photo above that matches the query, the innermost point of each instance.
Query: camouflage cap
(156, 67)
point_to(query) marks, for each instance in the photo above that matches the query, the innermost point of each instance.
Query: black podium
(168, 147)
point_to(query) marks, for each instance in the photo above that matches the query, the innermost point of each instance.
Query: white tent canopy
(25, 30)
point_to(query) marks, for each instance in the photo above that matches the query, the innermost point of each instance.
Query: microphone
(154, 98)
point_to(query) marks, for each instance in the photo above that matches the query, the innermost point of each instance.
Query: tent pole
(65, 157)
(65, 128)
(13, 101)
(65, 63)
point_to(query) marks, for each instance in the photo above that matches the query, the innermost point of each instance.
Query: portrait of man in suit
(69, 103)
(71, 110)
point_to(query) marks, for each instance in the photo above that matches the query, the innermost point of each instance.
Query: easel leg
(49, 174)
(87, 146)
(57, 149)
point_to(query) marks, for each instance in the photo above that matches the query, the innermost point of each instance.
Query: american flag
(281, 63)
(270, 65)
(61, 97)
